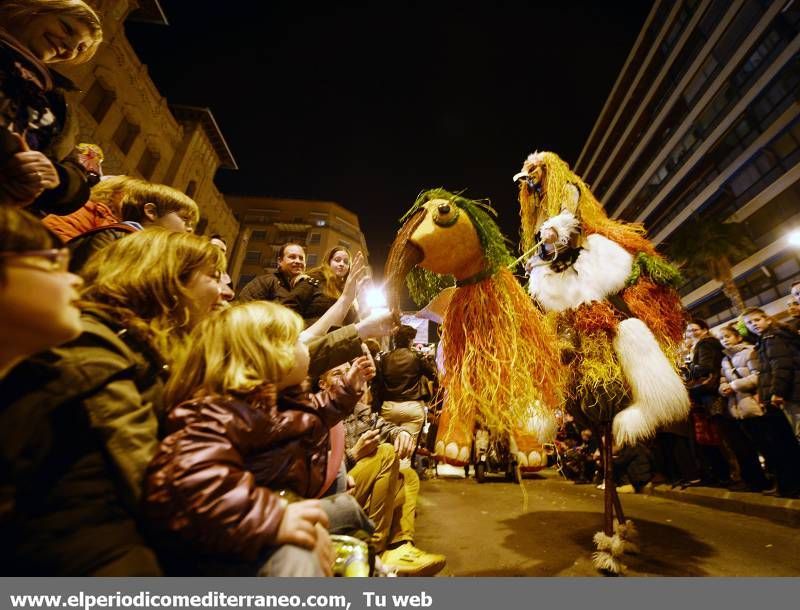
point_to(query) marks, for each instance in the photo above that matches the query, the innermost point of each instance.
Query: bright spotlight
(376, 299)
(793, 237)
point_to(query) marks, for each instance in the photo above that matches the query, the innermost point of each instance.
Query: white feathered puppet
(619, 317)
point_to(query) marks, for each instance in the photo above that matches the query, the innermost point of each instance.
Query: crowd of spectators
(152, 425)
(148, 425)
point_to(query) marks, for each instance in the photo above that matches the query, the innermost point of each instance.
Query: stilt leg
(618, 507)
(610, 545)
(608, 479)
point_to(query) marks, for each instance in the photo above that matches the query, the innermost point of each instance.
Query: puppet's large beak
(404, 255)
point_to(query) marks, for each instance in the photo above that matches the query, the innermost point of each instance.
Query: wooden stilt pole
(608, 479)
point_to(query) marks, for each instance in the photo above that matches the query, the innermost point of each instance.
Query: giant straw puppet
(501, 361)
(613, 297)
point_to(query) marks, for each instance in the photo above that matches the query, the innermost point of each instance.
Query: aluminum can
(351, 556)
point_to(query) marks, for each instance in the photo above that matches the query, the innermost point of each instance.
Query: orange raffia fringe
(659, 307)
(501, 358)
(596, 317)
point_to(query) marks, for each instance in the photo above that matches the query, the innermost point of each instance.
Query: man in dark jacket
(779, 392)
(402, 385)
(277, 284)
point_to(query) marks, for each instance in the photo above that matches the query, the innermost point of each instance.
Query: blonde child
(244, 436)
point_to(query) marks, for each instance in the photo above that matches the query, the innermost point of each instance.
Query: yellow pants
(388, 494)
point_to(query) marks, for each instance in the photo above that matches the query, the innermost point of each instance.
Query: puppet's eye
(445, 214)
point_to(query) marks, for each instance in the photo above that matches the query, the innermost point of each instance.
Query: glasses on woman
(53, 260)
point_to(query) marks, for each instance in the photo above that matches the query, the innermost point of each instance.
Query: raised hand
(355, 278)
(360, 372)
(378, 325)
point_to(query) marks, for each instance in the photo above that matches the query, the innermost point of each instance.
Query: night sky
(368, 103)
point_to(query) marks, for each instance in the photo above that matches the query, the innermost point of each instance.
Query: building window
(125, 135)
(191, 188)
(314, 238)
(253, 257)
(98, 101)
(311, 260)
(319, 219)
(148, 162)
(258, 236)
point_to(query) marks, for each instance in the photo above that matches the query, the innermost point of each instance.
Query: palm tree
(705, 245)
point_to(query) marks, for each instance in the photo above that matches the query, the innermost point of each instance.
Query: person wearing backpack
(779, 393)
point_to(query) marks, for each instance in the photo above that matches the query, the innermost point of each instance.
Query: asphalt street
(486, 530)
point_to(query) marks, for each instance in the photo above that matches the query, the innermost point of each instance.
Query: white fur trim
(602, 541)
(565, 224)
(605, 561)
(601, 269)
(535, 157)
(629, 536)
(659, 396)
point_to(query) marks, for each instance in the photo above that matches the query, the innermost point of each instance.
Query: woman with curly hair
(82, 423)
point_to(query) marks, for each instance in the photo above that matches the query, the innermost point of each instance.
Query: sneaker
(408, 560)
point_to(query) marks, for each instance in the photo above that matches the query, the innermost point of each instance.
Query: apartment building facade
(702, 124)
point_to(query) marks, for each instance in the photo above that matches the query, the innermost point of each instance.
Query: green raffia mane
(424, 285)
(659, 270)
